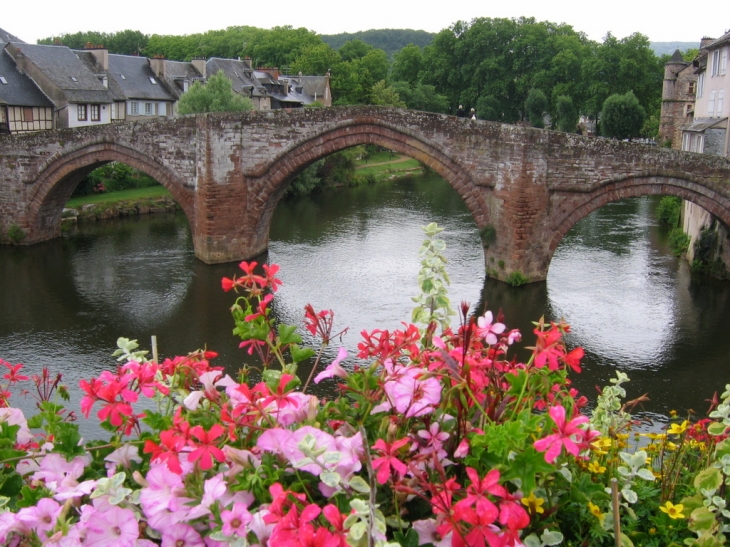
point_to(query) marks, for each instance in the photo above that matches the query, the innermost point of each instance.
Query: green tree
(354, 49)
(535, 105)
(316, 59)
(407, 65)
(216, 95)
(622, 117)
(384, 95)
(421, 97)
(489, 108)
(567, 115)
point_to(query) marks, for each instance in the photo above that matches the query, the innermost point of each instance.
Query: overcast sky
(661, 21)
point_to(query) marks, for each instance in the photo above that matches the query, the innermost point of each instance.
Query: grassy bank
(133, 195)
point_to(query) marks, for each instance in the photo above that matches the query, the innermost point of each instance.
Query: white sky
(660, 20)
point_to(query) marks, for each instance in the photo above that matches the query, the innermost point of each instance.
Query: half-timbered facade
(23, 107)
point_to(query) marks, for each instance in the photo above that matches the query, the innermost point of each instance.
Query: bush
(669, 210)
(16, 234)
(678, 241)
(516, 279)
(622, 117)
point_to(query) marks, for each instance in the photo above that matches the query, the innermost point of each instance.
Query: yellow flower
(674, 511)
(601, 446)
(533, 504)
(678, 429)
(595, 511)
(657, 436)
(595, 467)
(672, 413)
(671, 446)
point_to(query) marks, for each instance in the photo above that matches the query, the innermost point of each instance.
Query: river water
(632, 305)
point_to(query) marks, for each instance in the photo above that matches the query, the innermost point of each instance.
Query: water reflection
(632, 305)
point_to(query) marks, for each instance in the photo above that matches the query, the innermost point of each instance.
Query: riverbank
(125, 203)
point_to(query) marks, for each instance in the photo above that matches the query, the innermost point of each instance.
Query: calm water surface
(632, 305)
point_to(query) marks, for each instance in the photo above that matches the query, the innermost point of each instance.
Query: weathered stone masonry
(229, 171)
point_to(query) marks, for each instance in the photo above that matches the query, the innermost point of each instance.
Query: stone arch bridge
(524, 187)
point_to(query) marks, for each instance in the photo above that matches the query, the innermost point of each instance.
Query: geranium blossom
(568, 434)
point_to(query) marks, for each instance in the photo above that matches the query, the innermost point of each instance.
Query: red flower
(564, 436)
(478, 489)
(13, 375)
(167, 451)
(206, 449)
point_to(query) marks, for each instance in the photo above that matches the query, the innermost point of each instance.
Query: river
(632, 305)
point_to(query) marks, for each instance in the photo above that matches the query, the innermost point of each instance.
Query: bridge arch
(61, 174)
(607, 192)
(353, 132)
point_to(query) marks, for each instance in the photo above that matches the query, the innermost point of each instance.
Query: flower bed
(437, 437)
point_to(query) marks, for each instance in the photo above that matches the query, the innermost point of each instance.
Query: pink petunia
(236, 520)
(334, 368)
(181, 535)
(566, 435)
(116, 527)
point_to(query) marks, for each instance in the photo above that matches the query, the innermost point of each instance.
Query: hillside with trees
(389, 40)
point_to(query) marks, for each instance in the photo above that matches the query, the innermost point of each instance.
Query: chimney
(100, 53)
(706, 42)
(199, 64)
(157, 64)
(271, 71)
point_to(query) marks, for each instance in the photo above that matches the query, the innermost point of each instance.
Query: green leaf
(67, 440)
(360, 485)
(708, 479)
(716, 428)
(551, 537)
(299, 354)
(526, 466)
(11, 485)
(701, 520)
(409, 539)
(157, 420)
(31, 496)
(288, 335)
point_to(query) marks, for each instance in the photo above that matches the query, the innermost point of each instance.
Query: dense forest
(491, 65)
(389, 40)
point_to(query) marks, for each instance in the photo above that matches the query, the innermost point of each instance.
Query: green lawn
(150, 192)
(389, 167)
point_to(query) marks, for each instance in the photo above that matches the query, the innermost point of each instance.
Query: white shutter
(723, 62)
(162, 108)
(718, 104)
(711, 104)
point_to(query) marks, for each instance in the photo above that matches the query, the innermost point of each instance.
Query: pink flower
(124, 456)
(427, 533)
(388, 460)
(206, 449)
(334, 368)
(115, 527)
(407, 391)
(42, 517)
(433, 440)
(566, 431)
(236, 520)
(181, 535)
(488, 330)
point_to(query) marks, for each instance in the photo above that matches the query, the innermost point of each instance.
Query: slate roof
(114, 89)
(677, 59)
(700, 124)
(178, 71)
(240, 74)
(721, 41)
(19, 90)
(64, 68)
(5, 36)
(137, 79)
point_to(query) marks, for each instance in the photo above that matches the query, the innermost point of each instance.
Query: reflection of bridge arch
(61, 174)
(354, 132)
(607, 192)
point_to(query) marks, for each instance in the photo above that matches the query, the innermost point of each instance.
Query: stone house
(23, 106)
(138, 93)
(708, 133)
(679, 92)
(80, 97)
(177, 76)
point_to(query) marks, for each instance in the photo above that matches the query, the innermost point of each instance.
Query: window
(154, 82)
(718, 104)
(3, 80)
(148, 109)
(688, 109)
(692, 87)
(95, 113)
(81, 112)
(134, 108)
(28, 114)
(711, 103)
(723, 62)
(700, 84)
(716, 63)
(697, 144)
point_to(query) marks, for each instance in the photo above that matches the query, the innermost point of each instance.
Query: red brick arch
(354, 132)
(61, 174)
(581, 205)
